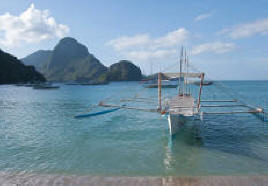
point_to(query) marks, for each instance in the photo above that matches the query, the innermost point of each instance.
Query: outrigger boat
(183, 107)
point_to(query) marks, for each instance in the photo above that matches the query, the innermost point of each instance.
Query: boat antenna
(187, 63)
(151, 65)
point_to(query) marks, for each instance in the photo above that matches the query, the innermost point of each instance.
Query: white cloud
(247, 30)
(145, 41)
(215, 47)
(144, 47)
(125, 41)
(172, 38)
(144, 55)
(31, 26)
(202, 17)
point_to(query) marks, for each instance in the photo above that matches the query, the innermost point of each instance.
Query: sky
(226, 39)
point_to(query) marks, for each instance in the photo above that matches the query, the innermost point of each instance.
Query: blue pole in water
(96, 113)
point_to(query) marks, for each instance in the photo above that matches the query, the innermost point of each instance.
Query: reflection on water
(188, 136)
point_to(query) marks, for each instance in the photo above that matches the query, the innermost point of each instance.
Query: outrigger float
(183, 107)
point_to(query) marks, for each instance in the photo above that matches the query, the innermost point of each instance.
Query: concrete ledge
(46, 179)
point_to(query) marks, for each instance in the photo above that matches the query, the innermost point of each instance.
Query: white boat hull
(176, 121)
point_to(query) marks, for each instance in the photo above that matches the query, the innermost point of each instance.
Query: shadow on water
(235, 135)
(262, 117)
(227, 136)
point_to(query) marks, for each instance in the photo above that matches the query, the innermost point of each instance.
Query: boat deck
(183, 105)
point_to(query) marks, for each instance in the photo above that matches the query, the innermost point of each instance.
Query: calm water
(39, 134)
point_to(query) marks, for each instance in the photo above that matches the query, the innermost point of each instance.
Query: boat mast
(181, 61)
(185, 75)
(159, 92)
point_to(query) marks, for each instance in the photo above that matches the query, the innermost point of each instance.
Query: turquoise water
(39, 134)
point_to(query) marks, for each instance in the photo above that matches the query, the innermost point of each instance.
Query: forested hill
(13, 70)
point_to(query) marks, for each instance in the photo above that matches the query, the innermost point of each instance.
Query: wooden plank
(181, 105)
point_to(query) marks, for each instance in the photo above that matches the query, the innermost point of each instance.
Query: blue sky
(226, 39)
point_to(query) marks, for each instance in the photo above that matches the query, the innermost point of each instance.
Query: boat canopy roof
(177, 74)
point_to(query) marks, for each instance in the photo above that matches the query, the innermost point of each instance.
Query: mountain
(38, 59)
(124, 70)
(13, 71)
(66, 51)
(71, 61)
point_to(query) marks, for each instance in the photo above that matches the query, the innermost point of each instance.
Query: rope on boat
(230, 91)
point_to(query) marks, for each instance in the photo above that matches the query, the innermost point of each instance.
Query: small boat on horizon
(166, 83)
(204, 83)
(45, 86)
(26, 84)
(92, 82)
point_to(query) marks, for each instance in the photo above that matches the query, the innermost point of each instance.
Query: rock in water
(124, 70)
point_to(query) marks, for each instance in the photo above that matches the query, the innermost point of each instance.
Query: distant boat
(89, 83)
(205, 83)
(169, 83)
(45, 86)
(20, 85)
(71, 84)
(95, 83)
(26, 84)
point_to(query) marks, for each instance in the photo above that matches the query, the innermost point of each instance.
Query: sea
(39, 134)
